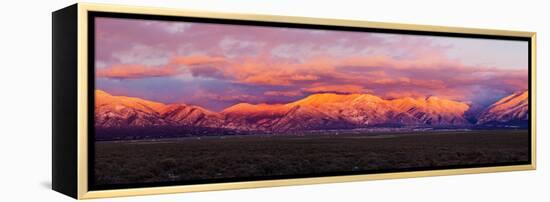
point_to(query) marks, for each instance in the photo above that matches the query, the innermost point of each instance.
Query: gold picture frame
(78, 187)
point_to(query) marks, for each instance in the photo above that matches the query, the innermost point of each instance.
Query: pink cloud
(344, 89)
(283, 93)
(271, 62)
(233, 96)
(135, 71)
(382, 75)
(197, 60)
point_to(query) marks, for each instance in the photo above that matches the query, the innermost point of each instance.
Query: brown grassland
(230, 157)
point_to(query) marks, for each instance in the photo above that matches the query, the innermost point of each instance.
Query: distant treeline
(159, 132)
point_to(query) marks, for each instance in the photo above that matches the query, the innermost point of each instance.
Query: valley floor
(208, 159)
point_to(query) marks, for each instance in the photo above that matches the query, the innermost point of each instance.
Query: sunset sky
(215, 66)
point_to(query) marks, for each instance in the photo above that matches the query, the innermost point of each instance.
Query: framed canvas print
(151, 101)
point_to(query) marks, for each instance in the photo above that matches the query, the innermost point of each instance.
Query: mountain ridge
(507, 111)
(314, 112)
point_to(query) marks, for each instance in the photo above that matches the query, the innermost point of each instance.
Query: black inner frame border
(91, 95)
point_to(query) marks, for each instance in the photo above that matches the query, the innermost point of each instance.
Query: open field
(207, 158)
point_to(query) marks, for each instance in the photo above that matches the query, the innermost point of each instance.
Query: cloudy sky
(215, 66)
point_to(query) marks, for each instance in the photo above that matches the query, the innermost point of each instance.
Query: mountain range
(511, 110)
(315, 112)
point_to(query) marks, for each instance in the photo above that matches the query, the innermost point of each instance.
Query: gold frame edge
(533, 96)
(82, 110)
